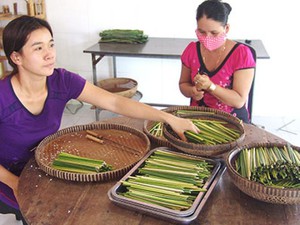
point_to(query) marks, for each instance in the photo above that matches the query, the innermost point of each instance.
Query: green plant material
(77, 164)
(168, 179)
(181, 112)
(123, 36)
(278, 167)
(157, 129)
(212, 132)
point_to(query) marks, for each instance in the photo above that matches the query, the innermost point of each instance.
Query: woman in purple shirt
(217, 72)
(34, 95)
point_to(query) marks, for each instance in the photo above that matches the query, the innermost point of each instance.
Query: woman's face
(210, 27)
(38, 54)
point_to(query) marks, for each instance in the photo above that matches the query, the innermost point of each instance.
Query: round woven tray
(202, 149)
(257, 190)
(122, 148)
(161, 140)
(123, 86)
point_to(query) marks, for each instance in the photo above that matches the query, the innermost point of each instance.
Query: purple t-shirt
(239, 58)
(20, 130)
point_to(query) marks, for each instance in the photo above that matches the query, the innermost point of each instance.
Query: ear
(227, 28)
(15, 57)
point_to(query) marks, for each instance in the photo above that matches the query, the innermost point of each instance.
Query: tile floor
(287, 128)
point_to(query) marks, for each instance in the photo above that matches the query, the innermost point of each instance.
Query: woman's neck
(29, 86)
(32, 93)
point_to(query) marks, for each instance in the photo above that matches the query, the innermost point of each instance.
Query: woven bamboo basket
(202, 149)
(122, 148)
(195, 110)
(259, 191)
(123, 86)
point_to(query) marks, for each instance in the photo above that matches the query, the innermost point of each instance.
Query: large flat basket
(122, 148)
(161, 140)
(259, 191)
(204, 149)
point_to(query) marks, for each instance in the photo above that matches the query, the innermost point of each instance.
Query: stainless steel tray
(177, 216)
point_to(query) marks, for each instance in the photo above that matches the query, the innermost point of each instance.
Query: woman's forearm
(9, 178)
(131, 108)
(229, 97)
(186, 89)
(117, 104)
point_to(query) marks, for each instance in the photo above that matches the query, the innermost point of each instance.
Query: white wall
(76, 25)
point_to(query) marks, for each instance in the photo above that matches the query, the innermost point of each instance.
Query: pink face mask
(211, 43)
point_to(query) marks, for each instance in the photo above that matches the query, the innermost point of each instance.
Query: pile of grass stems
(123, 35)
(212, 132)
(169, 180)
(271, 166)
(181, 112)
(157, 127)
(77, 164)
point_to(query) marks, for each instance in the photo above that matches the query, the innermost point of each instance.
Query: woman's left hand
(203, 81)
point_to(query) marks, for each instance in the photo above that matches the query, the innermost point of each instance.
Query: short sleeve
(244, 58)
(66, 83)
(189, 55)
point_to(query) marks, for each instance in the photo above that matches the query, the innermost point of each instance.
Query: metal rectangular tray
(177, 216)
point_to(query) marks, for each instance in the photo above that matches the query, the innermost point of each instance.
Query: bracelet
(212, 87)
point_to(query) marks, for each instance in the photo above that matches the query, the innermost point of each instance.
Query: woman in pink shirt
(217, 72)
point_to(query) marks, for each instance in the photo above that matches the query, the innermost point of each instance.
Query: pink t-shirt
(240, 57)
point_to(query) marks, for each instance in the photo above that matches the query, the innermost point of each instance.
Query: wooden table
(166, 48)
(46, 200)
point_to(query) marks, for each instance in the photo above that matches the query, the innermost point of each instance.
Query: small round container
(125, 87)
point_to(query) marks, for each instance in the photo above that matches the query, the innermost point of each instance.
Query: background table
(154, 48)
(47, 200)
(170, 48)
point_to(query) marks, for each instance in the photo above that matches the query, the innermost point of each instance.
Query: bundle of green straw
(212, 132)
(182, 112)
(168, 179)
(123, 36)
(157, 129)
(271, 166)
(73, 163)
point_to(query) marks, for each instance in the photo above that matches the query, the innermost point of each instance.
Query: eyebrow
(38, 43)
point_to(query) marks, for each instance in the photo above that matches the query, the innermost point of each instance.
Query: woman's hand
(15, 189)
(202, 82)
(180, 125)
(9, 179)
(197, 94)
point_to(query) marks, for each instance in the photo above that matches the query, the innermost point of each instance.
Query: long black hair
(16, 32)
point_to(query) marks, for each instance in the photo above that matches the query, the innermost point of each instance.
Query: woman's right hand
(9, 179)
(180, 125)
(15, 186)
(197, 94)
